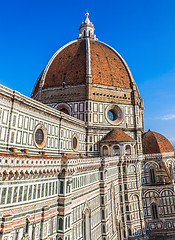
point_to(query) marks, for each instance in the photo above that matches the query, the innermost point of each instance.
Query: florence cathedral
(75, 160)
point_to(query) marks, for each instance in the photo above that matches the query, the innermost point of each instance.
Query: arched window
(134, 207)
(64, 110)
(27, 225)
(131, 169)
(61, 187)
(129, 232)
(66, 225)
(33, 232)
(124, 233)
(63, 107)
(60, 224)
(51, 226)
(89, 33)
(152, 175)
(128, 150)
(113, 208)
(63, 84)
(116, 150)
(154, 211)
(105, 151)
(87, 225)
(84, 33)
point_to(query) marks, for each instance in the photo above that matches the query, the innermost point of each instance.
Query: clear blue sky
(142, 31)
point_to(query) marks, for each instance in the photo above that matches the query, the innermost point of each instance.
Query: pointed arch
(60, 224)
(116, 150)
(105, 151)
(87, 224)
(127, 150)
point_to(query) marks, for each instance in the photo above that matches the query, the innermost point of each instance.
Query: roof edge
(42, 81)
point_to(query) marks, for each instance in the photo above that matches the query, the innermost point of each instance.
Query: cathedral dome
(154, 142)
(82, 59)
(68, 65)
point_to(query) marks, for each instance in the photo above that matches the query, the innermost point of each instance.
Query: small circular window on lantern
(75, 143)
(114, 114)
(40, 136)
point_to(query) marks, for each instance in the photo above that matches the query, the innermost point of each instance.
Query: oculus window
(114, 114)
(75, 143)
(40, 136)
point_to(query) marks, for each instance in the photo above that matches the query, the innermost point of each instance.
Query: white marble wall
(19, 116)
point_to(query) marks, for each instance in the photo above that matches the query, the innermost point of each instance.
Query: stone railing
(159, 155)
(12, 166)
(161, 225)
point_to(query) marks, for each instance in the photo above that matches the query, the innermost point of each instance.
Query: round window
(75, 143)
(114, 114)
(40, 136)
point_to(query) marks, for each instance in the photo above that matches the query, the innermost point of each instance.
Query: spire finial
(86, 14)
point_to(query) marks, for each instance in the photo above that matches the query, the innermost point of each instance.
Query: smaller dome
(154, 142)
(117, 135)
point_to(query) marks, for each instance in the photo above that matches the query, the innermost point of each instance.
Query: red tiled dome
(68, 65)
(107, 66)
(117, 135)
(154, 142)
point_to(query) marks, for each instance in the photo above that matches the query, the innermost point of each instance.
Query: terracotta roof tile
(107, 67)
(154, 142)
(69, 66)
(117, 135)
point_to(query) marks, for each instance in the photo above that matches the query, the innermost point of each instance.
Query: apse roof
(117, 135)
(154, 142)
